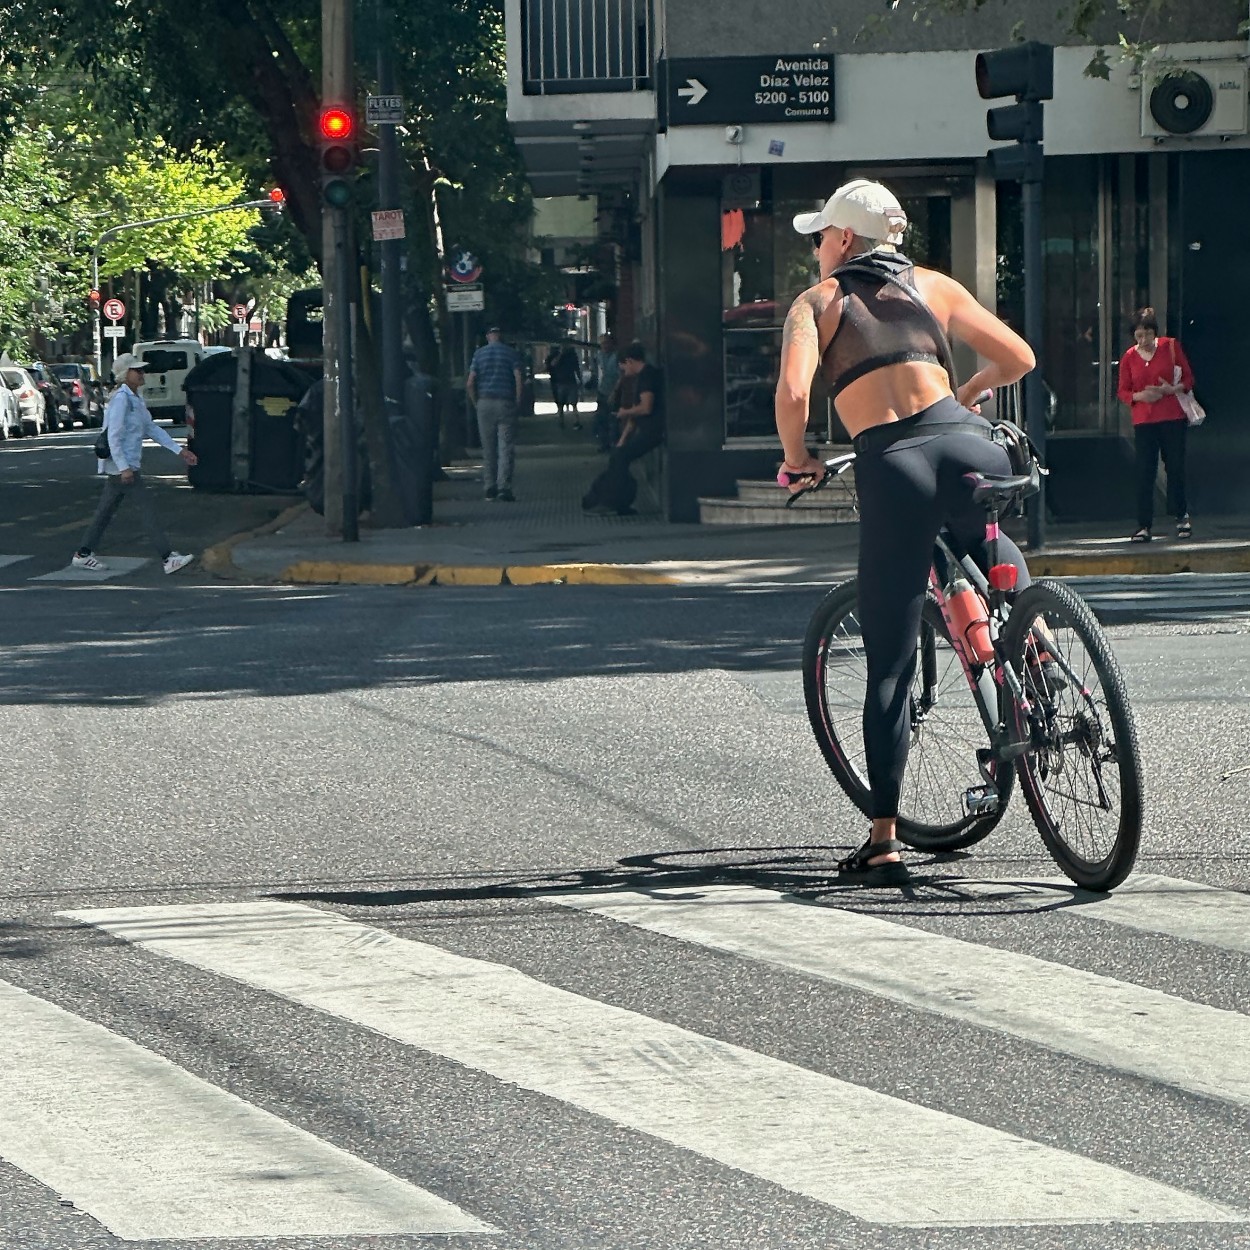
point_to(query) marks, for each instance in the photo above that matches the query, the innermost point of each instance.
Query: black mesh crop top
(880, 324)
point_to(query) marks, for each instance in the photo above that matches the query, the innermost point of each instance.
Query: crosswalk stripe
(1147, 902)
(117, 566)
(5, 561)
(154, 1153)
(1128, 1027)
(866, 1153)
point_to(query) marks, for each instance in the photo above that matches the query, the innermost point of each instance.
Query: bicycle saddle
(987, 486)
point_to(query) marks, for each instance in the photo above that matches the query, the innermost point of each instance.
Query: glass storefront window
(764, 266)
(1073, 356)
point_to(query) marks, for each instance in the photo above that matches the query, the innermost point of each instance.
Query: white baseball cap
(867, 207)
(125, 362)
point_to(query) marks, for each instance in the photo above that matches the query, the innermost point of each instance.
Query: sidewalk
(546, 538)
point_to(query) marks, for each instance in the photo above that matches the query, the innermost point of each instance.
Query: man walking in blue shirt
(127, 422)
(494, 384)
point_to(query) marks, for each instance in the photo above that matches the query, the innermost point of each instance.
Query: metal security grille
(575, 46)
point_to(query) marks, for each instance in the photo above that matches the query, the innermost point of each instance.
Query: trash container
(241, 422)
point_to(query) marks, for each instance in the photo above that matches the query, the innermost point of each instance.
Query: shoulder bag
(1194, 412)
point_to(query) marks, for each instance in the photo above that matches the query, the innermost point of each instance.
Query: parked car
(10, 414)
(56, 409)
(29, 398)
(86, 395)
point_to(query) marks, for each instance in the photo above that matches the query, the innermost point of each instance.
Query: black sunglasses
(817, 239)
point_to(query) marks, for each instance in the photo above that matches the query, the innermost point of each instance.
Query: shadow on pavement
(137, 646)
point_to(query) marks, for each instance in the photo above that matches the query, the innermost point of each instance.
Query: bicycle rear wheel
(946, 729)
(1082, 779)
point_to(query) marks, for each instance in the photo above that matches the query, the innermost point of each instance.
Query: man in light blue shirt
(127, 422)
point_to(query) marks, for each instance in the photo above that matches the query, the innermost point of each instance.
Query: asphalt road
(505, 918)
(48, 494)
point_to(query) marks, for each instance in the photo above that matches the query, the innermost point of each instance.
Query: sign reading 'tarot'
(730, 89)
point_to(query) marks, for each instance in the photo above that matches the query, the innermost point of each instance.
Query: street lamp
(275, 199)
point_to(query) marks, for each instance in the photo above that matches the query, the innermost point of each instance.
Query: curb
(219, 558)
(1205, 559)
(336, 573)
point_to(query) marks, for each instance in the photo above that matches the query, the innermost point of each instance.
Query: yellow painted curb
(467, 575)
(219, 558)
(345, 573)
(337, 572)
(1120, 564)
(585, 575)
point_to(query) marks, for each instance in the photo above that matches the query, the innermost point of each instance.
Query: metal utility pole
(392, 249)
(337, 89)
(1026, 71)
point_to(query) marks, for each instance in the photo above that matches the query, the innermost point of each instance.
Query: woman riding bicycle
(914, 439)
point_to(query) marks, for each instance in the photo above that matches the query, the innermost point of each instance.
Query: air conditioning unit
(1195, 100)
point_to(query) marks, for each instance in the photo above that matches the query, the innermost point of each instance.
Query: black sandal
(856, 870)
(1184, 527)
(1142, 536)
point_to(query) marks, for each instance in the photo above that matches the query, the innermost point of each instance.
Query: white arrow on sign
(694, 89)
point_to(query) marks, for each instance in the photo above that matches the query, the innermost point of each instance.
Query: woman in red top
(1159, 422)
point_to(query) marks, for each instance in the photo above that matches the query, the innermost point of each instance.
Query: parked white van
(168, 363)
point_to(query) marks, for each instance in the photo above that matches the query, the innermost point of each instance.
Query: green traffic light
(337, 192)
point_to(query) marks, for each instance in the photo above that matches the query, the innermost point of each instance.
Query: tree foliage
(1131, 31)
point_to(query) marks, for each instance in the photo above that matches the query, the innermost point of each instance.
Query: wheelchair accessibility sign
(464, 267)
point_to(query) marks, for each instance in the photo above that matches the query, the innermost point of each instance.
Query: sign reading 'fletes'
(720, 90)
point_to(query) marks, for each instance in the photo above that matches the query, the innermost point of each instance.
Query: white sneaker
(174, 562)
(88, 561)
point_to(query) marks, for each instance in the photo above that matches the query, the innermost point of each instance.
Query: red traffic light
(93, 298)
(277, 195)
(336, 123)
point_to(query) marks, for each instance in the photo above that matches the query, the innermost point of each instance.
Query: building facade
(700, 131)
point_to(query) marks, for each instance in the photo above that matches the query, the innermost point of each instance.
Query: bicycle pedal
(981, 800)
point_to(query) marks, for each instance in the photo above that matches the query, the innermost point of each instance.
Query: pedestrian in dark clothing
(494, 385)
(566, 384)
(642, 430)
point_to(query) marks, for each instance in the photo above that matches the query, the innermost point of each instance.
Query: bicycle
(1046, 692)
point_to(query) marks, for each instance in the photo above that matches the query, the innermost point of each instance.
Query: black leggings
(908, 489)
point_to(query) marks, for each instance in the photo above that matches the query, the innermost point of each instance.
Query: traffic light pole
(1034, 323)
(339, 423)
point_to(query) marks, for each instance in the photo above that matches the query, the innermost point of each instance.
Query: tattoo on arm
(800, 327)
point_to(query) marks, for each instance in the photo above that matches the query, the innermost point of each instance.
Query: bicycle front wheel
(945, 728)
(1082, 777)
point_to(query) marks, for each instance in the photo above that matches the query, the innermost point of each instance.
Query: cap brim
(809, 223)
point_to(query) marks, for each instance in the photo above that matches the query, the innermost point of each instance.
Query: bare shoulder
(804, 317)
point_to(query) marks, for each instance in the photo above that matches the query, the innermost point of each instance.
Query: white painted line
(1168, 906)
(154, 1153)
(1126, 1027)
(117, 567)
(875, 1157)
(5, 561)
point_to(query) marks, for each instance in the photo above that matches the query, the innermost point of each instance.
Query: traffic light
(277, 196)
(338, 156)
(1026, 71)
(93, 298)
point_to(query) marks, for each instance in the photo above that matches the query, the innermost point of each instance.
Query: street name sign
(465, 299)
(384, 110)
(388, 223)
(713, 91)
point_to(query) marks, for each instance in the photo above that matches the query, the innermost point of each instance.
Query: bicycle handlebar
(833, 468)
